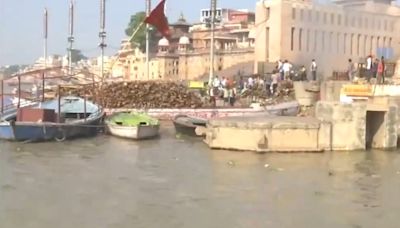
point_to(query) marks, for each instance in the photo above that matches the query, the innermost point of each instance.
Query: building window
(384, 42)
(371, 47)
(324, 18)
(358, 44)
(308, 41)
(301, 14)
(365, 45)
(346, 20)
(268, 12)
(390, 43)
(379, 24)
(315, 40)
(323, 41)
(332, 18)
(344, 43)
(292, 40)
(377, 42)
(353, 21)
(317, 16)
(339, 22)
(366, 22)
(337, 42)
(309, 15)
(360, 22)
(330, 41)
(293, 13)
(385, 25)
(300, 38)
(351, 44)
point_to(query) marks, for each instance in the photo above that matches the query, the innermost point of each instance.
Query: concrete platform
(264, 134)
(337, 126)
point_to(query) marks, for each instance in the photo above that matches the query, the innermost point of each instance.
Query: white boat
(132, 126)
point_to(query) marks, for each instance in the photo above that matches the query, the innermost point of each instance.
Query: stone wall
(261, 134)
(348, 122)
(348, 125)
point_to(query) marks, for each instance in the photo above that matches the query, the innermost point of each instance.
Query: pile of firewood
(141, 95)
(284, 91)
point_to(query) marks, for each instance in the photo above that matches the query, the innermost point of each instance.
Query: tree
(76, 55)
(140, 37)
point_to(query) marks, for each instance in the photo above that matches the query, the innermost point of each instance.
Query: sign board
(196, 85)
(357, 90)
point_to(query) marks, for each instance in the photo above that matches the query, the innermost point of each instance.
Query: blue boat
(77, 118)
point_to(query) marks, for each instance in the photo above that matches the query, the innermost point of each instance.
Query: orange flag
(157, 19)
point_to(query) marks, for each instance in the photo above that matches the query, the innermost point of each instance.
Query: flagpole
(71, 36)
(45, 34)
(148, 9)
(102, 35)
(212, 27)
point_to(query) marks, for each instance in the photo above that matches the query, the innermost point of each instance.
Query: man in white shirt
(250, 82)
(216, 82)
(286, 67)
(313, 69)
(280, 70)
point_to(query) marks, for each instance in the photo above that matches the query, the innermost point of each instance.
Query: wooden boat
(132, 125)
(42, 122)
(187, 125)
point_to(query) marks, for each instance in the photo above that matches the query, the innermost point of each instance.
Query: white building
(300, 31)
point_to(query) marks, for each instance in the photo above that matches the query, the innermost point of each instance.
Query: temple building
(186, 54)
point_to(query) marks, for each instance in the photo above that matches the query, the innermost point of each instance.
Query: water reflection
(178, 182)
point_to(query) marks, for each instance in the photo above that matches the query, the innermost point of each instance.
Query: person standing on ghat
(286, 69)
(350, 70)
(313, 69)
(368, 68)
(381, 71)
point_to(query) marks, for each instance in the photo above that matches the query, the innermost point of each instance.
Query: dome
(163, 42)
(184, 40)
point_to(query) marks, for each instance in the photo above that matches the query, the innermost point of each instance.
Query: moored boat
(187, 125)
(60, 119)
(132, 125)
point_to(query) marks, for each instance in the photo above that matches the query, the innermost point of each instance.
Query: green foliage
(77, 55)
(140, 37)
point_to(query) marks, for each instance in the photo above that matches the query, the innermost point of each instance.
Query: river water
(176, 182)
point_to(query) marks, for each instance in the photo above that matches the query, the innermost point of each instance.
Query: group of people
(285, 69)
(373, 69)
(224, 88)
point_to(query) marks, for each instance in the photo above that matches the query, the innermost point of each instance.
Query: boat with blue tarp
(59, 119)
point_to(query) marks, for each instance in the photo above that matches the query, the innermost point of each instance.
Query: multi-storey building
(300, 31)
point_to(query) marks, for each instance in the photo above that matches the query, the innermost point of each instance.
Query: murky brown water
(171, 183)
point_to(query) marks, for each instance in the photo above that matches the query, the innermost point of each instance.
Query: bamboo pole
(2, 96)
(59, 105)
(19, 92)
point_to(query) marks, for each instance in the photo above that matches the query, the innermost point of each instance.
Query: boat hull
(187, 125)
(34, 132)
(134, 132)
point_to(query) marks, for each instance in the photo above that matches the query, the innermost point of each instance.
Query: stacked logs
(285, 92)
(141, 95)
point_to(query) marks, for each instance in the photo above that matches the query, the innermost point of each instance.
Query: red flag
(157, 19)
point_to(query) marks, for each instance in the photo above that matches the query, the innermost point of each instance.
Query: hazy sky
(21, 23)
